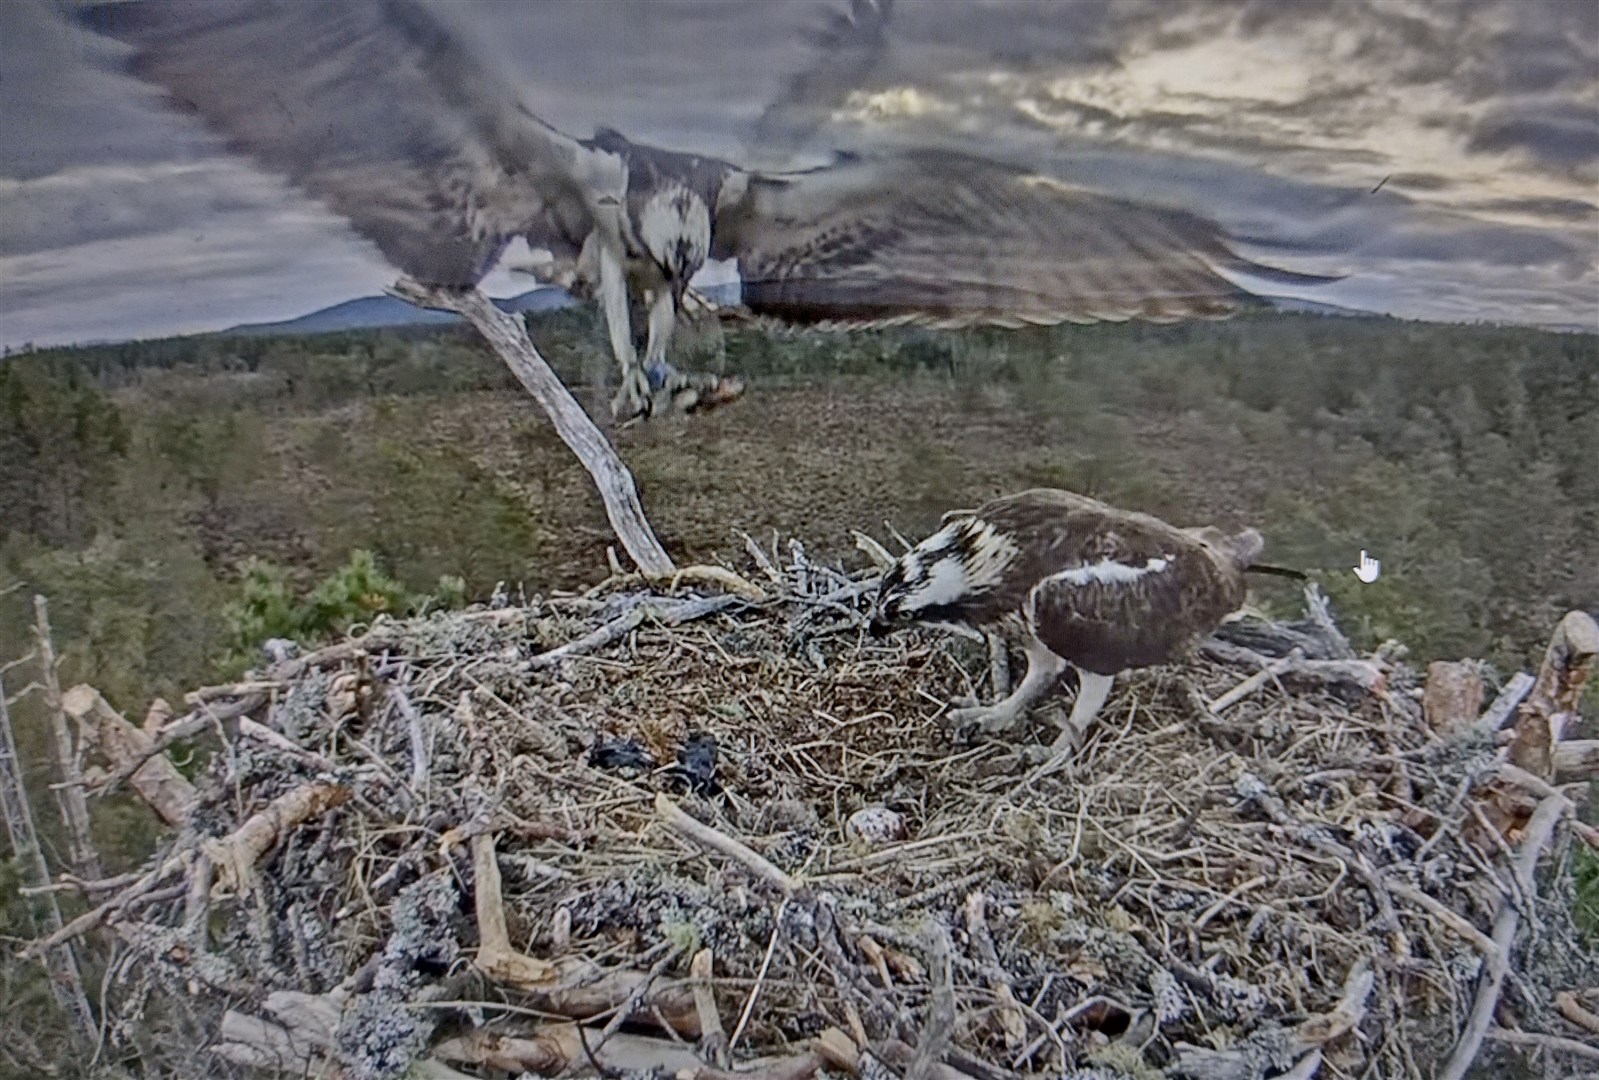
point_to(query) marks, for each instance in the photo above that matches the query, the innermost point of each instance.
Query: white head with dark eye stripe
(959, 561)
(675, 227)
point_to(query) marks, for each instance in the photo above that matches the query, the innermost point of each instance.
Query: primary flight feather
(378, 108)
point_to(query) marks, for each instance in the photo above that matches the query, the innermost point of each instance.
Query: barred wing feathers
(377, 108)
(944, 240)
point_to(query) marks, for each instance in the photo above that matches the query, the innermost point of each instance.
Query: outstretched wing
(849, 47)
(376, 107)
(942, 239)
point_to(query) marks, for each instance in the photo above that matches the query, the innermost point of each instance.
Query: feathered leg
(1043, 668)
(687, 391)
(633, 397)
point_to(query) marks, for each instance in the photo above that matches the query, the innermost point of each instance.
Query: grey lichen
(299, 712)
(379, 1035)
(1170, 1002)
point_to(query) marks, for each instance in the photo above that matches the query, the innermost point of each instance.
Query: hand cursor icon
(1368, 569)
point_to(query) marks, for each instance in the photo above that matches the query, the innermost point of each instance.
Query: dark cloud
(94, 204)
(1436, 239)
(1550, 209)
(1427, 182)
(1277, 117)
(1534, 61)
(62, 109)
(1564, 133)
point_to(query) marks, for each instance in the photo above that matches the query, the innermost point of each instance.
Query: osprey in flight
(1073, 582)
(379, 109)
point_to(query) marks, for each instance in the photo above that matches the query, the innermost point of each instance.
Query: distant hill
(375, 312)
(1316, 307)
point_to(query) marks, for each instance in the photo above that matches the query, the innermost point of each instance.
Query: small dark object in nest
(620, 754)
(696, 764)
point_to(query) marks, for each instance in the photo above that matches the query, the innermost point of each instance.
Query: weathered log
(256, 1043)
(1576, 759)
(1552, 705)
(128, 748)
(234, 856)
(1452, 699)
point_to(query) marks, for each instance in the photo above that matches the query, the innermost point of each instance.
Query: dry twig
(1539, 831)
(723, 844)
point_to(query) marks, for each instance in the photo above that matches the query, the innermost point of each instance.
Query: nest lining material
(678, 818)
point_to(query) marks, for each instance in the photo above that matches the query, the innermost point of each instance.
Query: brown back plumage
(1109, 589)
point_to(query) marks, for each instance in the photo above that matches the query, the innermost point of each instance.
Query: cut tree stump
(1452, 699)
(1551, 707)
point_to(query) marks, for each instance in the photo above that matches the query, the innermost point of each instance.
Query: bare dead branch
(69, 794)
(713, 1040)
(1504, 706)
(1539, 830)
(721, 843)
(234, 856)
(668, 613)
(495, 956)
(1572, 1009)
(507, 336)
(133, 755)
(66, 981)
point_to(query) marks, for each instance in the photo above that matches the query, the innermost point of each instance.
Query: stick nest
(1288, 884)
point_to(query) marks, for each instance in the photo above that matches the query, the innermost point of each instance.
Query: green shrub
(267, 605)
(1586, 908)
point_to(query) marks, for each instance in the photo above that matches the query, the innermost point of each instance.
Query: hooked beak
(881, 623)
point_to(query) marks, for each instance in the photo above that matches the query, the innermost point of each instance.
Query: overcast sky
(1278, 117)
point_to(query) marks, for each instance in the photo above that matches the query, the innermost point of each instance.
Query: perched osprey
(378, 108)
(1073, 582)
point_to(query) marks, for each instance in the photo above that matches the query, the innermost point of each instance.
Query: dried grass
(1285, 885)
